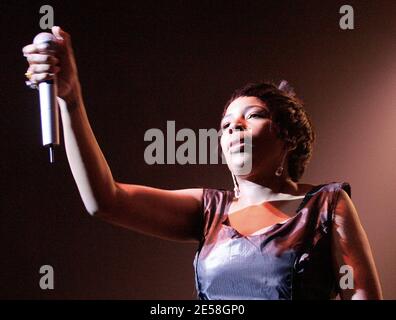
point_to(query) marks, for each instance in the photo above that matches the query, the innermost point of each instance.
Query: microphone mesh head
(44, 37)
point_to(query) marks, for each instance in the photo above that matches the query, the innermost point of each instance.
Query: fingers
(44, 58)
(42, 62)
(41, 72)
(30, 48)
(42, 48)
(38, 58)
(39, 77)
(42, 68)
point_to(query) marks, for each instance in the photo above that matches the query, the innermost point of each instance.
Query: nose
(237, 125)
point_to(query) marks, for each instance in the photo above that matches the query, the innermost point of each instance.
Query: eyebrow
(247, 109)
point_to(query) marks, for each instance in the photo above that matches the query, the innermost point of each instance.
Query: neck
(259, 190)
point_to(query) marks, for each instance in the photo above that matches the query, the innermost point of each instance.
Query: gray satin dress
(290, 260)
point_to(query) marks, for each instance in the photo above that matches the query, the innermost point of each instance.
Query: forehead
(239, 104)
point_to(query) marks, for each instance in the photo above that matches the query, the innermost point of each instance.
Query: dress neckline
(230, 197)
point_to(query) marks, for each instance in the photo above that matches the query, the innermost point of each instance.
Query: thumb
(57, 32)
(60, 34)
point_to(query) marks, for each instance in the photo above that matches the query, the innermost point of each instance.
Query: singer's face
(247, 120)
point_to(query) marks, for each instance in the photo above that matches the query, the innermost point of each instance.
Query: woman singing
(272, 237)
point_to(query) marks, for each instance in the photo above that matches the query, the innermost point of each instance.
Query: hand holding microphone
(52, 69)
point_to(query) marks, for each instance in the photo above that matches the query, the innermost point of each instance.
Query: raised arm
(351, 248)
(167, 214)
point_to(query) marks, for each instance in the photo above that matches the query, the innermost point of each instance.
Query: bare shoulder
(344, 205)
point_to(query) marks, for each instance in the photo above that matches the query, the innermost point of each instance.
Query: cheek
(261, 134)
(223, 142)
(264, 140)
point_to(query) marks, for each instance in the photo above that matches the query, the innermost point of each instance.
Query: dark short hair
(288, 114)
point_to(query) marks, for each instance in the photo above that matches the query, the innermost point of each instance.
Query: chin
(240, 163)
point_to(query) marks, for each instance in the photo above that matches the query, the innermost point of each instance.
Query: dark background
(142, 64)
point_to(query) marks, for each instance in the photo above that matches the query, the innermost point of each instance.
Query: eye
(258, 115)
(255, 115)
(225, 125)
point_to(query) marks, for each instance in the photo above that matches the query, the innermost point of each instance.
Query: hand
(56, 60)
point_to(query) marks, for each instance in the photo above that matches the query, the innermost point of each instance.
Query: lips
(237, 147)
(237, 144)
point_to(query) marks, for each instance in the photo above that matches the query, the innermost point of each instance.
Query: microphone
(49, 110)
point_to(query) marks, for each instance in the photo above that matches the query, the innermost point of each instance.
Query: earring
(236, 187)
(279, 170)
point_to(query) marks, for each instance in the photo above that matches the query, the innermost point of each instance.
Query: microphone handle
(49, 113)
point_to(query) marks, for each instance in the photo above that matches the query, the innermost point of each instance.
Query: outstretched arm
(168, 214)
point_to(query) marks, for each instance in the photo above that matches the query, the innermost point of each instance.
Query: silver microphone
(49, 110)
